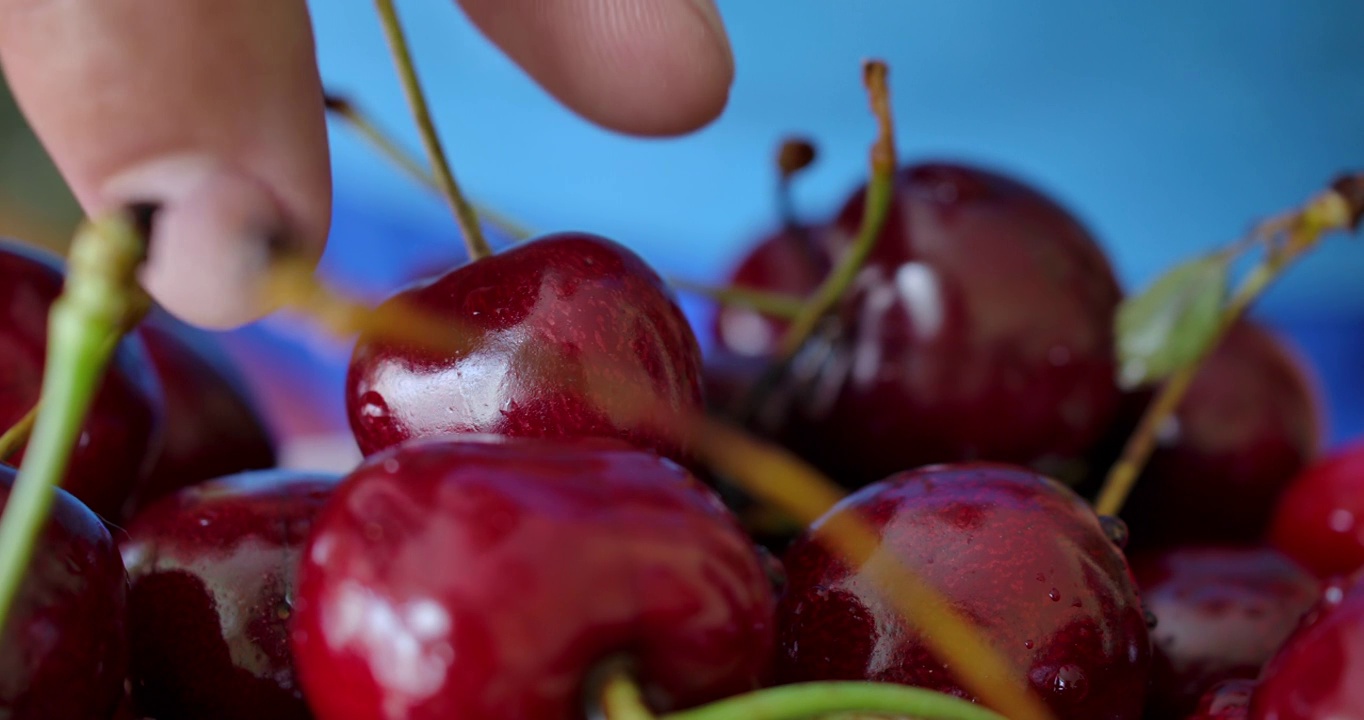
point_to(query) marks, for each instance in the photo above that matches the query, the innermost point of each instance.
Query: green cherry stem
(620, 698)
(474, 242)
(18, 434)
(838, 699)
(776, 305)
(99, 300)
(366, 127)
(1332, 210)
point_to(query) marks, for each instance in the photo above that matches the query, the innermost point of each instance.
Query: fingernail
(711, 15)
(211, 240)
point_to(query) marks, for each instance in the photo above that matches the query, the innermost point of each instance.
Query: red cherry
(793, 262)
(212, 570)
(479, 579)
(212, 428)
(124, 424)
(1319, 519)
(981, 328)
(1019, 554)
(64, 648)
(543, 316)
(1221, 613)
(1227, 700)
(1250, 422)
(1319, 671)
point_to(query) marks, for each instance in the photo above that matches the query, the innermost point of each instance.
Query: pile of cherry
(513, 530)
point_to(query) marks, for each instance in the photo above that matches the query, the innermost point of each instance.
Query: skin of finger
(110, 85)
(643, 67)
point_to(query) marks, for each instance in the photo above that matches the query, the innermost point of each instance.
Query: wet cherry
(1319, 519)
(1319, 670)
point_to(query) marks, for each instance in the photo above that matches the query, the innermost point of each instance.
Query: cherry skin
(980, 328)
(125, 419)
(63, 652)
(1018, 553)
(1221, 613)
(569, 335)
(791, 261)
(473, 579)
(1250, 422)
(212, 428)
(1318, 518)
(212, 570)
(1227, 700)
(1319, 670)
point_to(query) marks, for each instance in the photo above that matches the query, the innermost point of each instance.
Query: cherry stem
(828, 699)
(620, 698)
(776, 305)
(15, 437)
(365, 126)
(474, 242)
(100, 300)
(1303, 230)
(793, 157)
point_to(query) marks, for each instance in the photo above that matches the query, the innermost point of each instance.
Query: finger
(212, 110)
(646, 67)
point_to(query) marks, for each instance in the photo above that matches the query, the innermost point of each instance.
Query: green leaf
(1170, 325)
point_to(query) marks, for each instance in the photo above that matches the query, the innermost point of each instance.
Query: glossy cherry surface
(212, 428)
(478, 579)
(63, 652)
(1227, 700)
(1221, 613)
(213, 570)
(1319, 671)
(1250, 422)
(111, 455)
(569, 335)
(1319, 519)
(791, 261)
(1021, 555)
(981, 328)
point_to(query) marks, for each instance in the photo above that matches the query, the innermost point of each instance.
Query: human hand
(213, 110)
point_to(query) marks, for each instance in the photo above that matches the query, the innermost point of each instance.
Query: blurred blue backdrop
(1167, 126)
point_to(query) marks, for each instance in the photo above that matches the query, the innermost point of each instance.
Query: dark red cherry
(478, 579)
(1221, 612)
(1250, 422)
(212, 428)
(981, 328)
(1319, 519)
(1227, 700)
(212, 570)
(64, 649)
(1318, 673)
(570, 335)
(1019, 554)
(792, 261)
(111, 456)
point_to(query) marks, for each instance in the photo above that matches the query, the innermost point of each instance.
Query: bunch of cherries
(536, 533)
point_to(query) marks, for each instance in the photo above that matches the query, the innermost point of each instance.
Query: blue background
(1167, 126)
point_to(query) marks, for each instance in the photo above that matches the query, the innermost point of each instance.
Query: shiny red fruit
(980, 328)
(212, 428)
(63, 652)
(791, 262)
(1319, 672)
(1221, 612)
(478, 579)
(1319, 519)
(1250, 422)
(1019, 554)
(569, 335)
(124, 425)
(212, 569)
(1228, 700)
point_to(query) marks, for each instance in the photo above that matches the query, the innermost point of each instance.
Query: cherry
(212, 569)
(1023, 557)
(124, 423)
(1317, 519)
(63, 651)
(792, 261)
(559, 329)
(212, 428)
(473, 578)
(1319, 670)
(1221, 613)
(1250, 422)
(1227, 700)
(980, 328)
